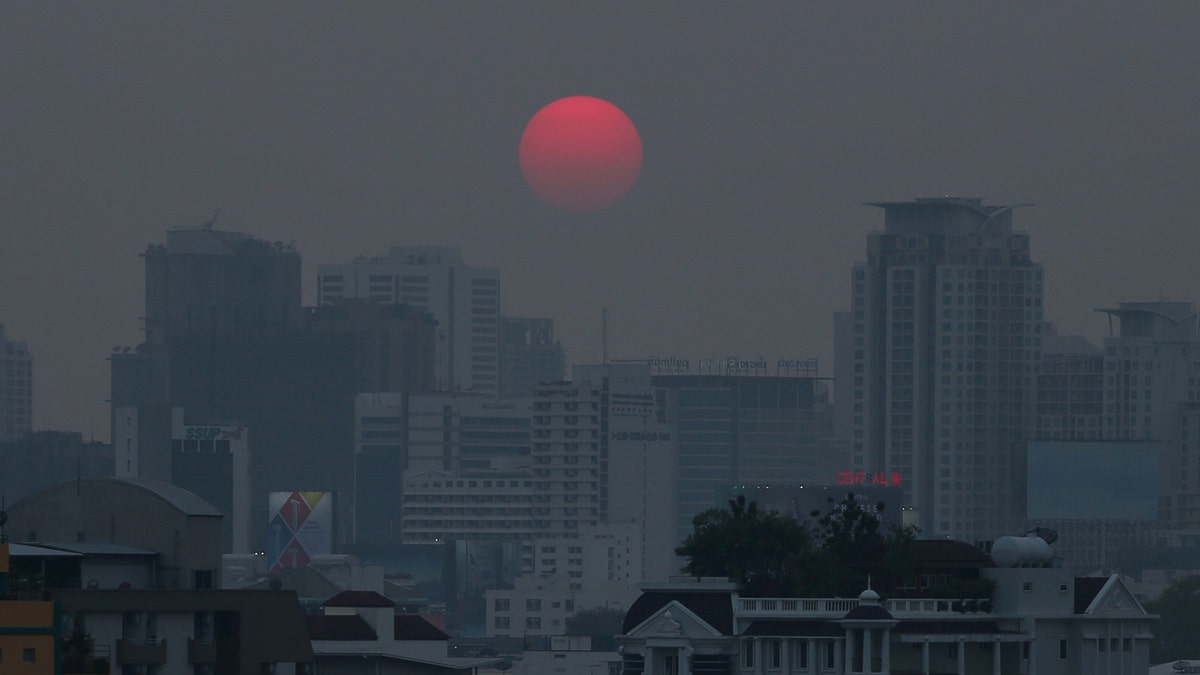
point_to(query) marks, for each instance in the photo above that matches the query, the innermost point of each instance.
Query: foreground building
(1037, 620)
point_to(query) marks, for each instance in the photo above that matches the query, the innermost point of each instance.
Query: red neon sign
(868, 478)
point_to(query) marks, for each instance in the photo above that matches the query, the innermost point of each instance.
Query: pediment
(674, 620)
(1114, 599)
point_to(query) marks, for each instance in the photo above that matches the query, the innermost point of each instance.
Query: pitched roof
(340, 627)
(1086, 590)
(359, 599)
(715, 608)
(414, 627)
(950, 627)
(868, 613)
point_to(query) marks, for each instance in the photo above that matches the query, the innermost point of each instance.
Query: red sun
(580, 153)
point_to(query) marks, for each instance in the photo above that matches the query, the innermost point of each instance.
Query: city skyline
(350, 131)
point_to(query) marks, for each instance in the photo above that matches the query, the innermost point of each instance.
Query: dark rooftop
(1086, 590)
(343, 627)
(359, 599)
(414, 627)
(715, 608)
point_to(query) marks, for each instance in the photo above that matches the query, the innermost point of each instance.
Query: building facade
(946, 343)
(529, 355)
(16, 389)
(464, 300)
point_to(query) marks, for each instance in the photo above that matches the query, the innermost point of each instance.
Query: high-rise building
(529, 356)
(214, 284)
(946, 345)
(16, 389)
(1070, 388)
(740, 429)
(464, 300)
(1152, 393)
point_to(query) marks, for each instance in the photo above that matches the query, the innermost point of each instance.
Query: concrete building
(464, 300)
(44, 458)
(946, 343)
(1037, 619)
(16, 389)
(182, 529)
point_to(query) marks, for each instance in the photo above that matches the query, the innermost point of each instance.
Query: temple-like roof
(715, 608)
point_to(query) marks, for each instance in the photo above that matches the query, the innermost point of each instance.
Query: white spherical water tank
(1021, 551)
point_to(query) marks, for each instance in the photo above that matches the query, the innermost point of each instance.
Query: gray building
(529, 355)
(464, 300)
(740, 430)
(1152, 392)
(946, 343)
(16, 389)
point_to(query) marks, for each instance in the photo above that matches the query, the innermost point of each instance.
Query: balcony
(201, 652)
(151, 652)
(777, 608)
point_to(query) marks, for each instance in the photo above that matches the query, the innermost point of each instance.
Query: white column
(962, 657)
(925, 657)
(648, 662)
(868, 638)
(685, 660)
(850, 651)
(886, 646)
(1032, 656)
(995, 657)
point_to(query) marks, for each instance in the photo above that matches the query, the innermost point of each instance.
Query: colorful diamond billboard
(301, 526)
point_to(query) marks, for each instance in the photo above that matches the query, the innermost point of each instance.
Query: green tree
(768, 553)
(774, 555)
(1179, 621)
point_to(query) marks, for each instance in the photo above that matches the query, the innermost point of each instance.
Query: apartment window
(748, 654)
(500, 604)
(1027, 587)
(29, 655)
(533, 623)
(533, 605)
(501, 622)
(202, 578)
(1062, 648)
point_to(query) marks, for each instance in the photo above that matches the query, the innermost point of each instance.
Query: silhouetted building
(44, 458)
(529, 356)
(16, 389)
(220, 285)
(393, 344)
(947, 325)
(464, 300)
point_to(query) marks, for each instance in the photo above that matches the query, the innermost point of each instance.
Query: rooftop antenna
(211, 221)
(604, 335)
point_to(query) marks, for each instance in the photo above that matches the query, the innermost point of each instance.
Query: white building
(1039, 621)
(16, 389)
(464, 300)
(946, 342)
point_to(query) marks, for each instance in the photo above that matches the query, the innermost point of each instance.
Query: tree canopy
(771, 554)
(1178, 624)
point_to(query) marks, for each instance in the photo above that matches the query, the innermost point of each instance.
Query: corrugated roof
(89, 548)
(187, 502)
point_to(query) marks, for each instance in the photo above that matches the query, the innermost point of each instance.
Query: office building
(529, 356)
(740, 427)
(16, 389)
(946, 343)
(464, 300)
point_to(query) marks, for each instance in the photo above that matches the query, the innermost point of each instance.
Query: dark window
(203, 578)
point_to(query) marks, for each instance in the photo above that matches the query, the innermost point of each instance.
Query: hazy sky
(349, 127)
